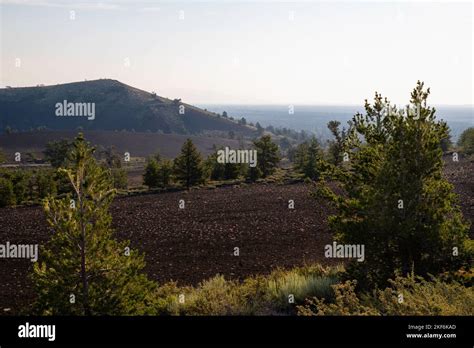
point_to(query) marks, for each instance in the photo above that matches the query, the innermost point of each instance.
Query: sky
(244, 52)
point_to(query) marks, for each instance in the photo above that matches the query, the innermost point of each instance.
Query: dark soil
(194, 243)
(197, 242)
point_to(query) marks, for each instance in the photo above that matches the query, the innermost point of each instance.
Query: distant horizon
(245, 52)
(323, 104)
(203, 104)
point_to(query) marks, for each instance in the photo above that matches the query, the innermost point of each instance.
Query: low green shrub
(425, 297)
(346, 302)
(409, 295)
(216, 296)
(46, 183)
(7, 195)
(119, 178)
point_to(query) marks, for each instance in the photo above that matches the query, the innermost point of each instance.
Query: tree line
(309, 158)
(190, 169)
(25, 185)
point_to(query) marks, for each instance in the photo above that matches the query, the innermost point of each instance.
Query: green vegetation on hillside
(121, 107)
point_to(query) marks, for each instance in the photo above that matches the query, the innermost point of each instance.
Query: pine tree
(231, 171)
(158, 172)
(151, 176)
(213, 168)
(112, 158)
(114, 163)
(300, 156)
(308, 159)
(466, 141)
(267, 155)
(396, 201)
(56, 152)
(165, 172)
(336, 146)
(119, 178)
(45, 183)
(221, 171)
(188, 165)
(20, 179)
(253, 173)
(83, 270)
(7, 195)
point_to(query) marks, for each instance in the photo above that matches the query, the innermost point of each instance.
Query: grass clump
(257, 295)
(285, 289)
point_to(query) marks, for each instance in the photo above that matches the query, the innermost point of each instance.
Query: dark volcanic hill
(117, 107)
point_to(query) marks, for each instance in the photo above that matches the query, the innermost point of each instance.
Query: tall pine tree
(396, 201)
(267, 155)
(308, 159)
(188, 166)
(83, 270)
(336, 146)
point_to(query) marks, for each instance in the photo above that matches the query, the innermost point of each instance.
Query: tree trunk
(85, 285)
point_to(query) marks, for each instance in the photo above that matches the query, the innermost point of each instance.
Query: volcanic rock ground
(192, 244)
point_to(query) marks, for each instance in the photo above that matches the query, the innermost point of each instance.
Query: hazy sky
(252, 52)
